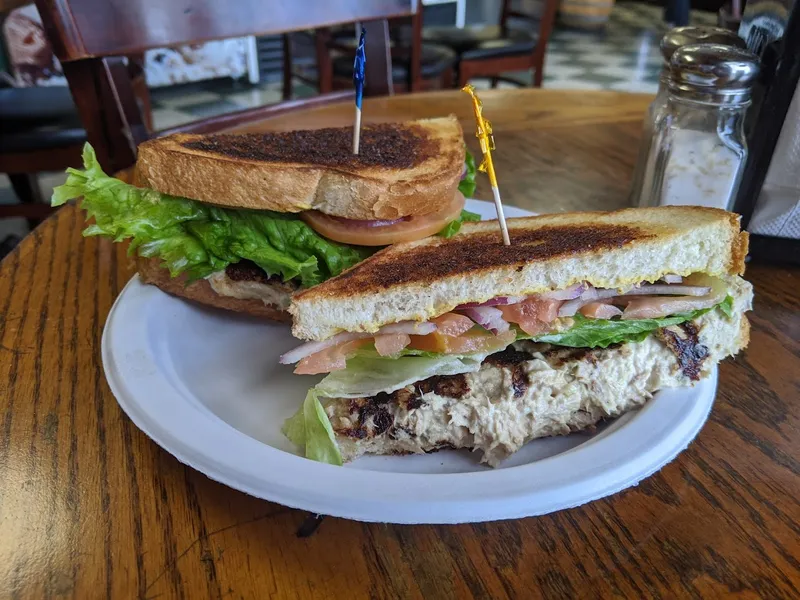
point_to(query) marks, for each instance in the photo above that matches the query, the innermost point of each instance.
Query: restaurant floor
(624, 56)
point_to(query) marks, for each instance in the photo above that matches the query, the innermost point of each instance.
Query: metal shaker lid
(683, 36)
(713, 73)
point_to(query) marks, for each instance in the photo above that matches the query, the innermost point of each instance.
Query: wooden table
(90, 507)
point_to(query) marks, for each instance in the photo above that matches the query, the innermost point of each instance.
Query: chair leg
(287, 67)
(494, 81)
(140, 89)
(324, 62)
(143, 100)
(26, 187)
(106, 103)
(464, 74)
(447, 79)
(538, 74)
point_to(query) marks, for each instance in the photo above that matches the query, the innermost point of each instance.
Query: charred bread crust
(744, 332)
(231, 171)
(739, 251)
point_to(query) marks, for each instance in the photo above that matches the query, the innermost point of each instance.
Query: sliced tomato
(475, 340)
(384, 233)
(388, 344)
(533, 315)
(453, 324)
(333, 358)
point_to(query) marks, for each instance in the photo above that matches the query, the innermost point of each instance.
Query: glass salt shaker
(674, 39)
(698, 149)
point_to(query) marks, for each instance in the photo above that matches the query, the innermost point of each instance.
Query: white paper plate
(206, 386)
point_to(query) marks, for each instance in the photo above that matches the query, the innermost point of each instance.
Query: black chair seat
(461, 39)
(434, 61)
(38, 118)
(500, 47)
(482, 41)
(36, 104)
(43, 138)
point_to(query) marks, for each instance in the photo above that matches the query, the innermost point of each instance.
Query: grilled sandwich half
(241, 221)
(466, 343)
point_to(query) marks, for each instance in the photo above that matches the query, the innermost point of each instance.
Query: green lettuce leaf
(453, 227)
(726, 306)
(311, 429)
(198, 239)
(467, 185)
(601, 333)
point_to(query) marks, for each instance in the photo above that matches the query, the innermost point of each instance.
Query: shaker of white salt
(701, 170)
(672, 40)
(698, 148)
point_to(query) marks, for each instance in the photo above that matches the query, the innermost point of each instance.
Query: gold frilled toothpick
(484, 135)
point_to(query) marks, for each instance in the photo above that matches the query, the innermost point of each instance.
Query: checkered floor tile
(623, 56)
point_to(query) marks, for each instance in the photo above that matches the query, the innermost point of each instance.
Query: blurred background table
(90, 507)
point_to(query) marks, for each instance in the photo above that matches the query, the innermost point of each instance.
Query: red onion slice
(656, 289)
(409, 327)
(309, 348)
(672, 278)
(570, 307)
(569, 293)
(499, 301)
(489, 318)
(590, 293)
(606, 294)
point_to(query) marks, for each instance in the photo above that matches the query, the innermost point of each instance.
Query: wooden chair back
(495, 66)
(544, 22)
(324, 44)
(92, 37)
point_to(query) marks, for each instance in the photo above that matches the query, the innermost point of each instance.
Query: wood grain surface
(91, 508)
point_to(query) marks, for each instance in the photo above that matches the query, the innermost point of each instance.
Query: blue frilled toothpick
(358, 81)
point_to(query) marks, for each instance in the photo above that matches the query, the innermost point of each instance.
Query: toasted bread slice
(402, 169)
(200, 291)
(423, 279)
